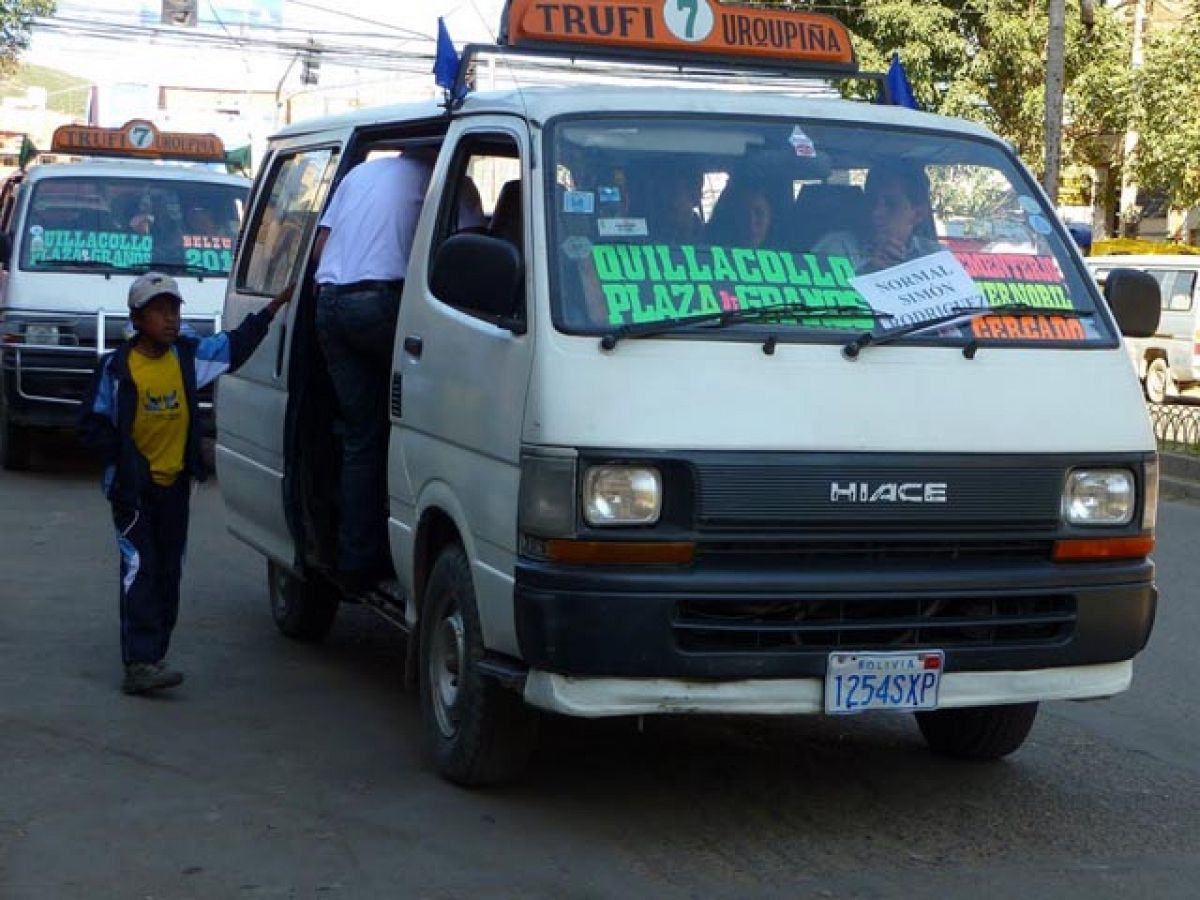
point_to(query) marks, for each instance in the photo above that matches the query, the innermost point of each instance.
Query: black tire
(16, 443)
(1157, 383)
(978, 732)
(303, 609)
(477, 731)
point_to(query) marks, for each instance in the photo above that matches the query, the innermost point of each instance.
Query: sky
(394, 26)
(380, 51)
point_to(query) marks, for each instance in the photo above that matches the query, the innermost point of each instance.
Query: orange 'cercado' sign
(137, 138)
(701, 28)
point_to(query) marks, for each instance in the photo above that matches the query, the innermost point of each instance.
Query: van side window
(483, 196)
(1182, 287)
(284, 224)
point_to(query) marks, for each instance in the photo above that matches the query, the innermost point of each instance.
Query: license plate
(862, 682)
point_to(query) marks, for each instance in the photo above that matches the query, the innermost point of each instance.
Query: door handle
(413, 346)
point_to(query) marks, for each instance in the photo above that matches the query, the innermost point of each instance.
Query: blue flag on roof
(898, 85)
(445, 61)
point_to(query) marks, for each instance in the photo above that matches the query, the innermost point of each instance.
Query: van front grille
(779, 625)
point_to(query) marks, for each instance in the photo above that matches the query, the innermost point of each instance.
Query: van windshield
(102, 223)
(658, 219)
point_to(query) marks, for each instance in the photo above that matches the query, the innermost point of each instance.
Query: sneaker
(141, 678)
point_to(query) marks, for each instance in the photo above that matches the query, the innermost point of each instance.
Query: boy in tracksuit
(141, 415)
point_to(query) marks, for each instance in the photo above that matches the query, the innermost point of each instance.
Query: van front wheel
(303, 609)
(1158, 380)
(16, 443)
(977, 732)
(477, 731)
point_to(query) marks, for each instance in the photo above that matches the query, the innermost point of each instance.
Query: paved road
(285, 771)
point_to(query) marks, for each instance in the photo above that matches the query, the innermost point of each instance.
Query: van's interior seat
(506, 217)
(822, 209)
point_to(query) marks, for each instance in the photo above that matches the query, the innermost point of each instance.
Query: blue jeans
(355, 330)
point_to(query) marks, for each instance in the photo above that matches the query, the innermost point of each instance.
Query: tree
(986, 62)
(1167, 117)
(16, 18)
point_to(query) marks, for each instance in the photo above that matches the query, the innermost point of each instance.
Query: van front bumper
(741, 623)
(598, 697)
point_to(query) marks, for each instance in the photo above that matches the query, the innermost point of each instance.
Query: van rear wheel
(303, 608)
(1157, 383)
(478, 732)
(978, 732)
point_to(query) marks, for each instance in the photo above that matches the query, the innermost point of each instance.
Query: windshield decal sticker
(659, 282)
(583, 202)
(577, 247)
(1017, 278)
(802, 143)
(608, 193)
(1028, 204)
(622, 228)
(114, 247)
(927, 288)
(1029, 328)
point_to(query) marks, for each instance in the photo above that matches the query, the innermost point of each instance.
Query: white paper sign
(926, 288)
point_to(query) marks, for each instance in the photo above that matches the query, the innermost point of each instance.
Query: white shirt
(371, 220)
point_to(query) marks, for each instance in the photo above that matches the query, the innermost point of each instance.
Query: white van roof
(540, 103)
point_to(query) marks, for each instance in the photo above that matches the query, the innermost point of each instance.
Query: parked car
(1168, 362)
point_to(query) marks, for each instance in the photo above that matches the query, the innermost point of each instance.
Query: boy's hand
(283, 297)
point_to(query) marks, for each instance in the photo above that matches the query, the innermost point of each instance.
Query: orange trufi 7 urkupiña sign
(702, 28)
(137, 138)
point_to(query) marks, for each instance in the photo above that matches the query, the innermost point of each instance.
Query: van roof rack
(695, 37)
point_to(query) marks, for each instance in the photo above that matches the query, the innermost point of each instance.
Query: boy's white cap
(150, 285)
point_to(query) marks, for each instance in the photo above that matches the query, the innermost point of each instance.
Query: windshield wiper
(734, 316)
(957, 314)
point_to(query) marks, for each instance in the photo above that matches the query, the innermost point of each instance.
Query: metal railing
(1176, 427)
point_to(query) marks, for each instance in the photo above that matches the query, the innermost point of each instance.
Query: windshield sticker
(116, 248)
(802, 143)
(1028, 204)
(1040, 224)
(579, 202)
(608, 194)
(659, 282)
(622, 227)
(577, 247)
(1028, 328)
(926, 288)
(1018, 278)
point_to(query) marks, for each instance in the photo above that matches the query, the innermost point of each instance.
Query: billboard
(213, 13)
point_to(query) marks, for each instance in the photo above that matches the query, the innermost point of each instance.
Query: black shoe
(141, 678)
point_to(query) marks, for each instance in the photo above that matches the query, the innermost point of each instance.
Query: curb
(1178, 466)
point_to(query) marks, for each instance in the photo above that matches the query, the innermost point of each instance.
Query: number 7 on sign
(691, 7)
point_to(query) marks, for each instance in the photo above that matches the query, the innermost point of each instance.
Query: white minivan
(76, 236)
(1167, 361)
(650, 457)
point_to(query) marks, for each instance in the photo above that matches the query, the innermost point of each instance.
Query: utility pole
(1055, 63)
(1129, 188)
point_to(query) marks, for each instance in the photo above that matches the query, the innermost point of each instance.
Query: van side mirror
(483, 275)
(1135, 300)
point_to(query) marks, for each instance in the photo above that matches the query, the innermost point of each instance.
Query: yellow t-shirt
(161, 425)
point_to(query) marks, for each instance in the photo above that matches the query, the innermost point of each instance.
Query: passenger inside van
(669, 199)
(745, 214)
(897, 228)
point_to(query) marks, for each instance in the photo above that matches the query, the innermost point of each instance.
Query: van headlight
(622, 495)
(1099, 497)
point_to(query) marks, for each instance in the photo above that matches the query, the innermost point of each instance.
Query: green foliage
(986, 62)
(66, 93)
(15, 16)
(1167, 158)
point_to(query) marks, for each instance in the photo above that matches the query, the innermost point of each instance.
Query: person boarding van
(634, 470)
